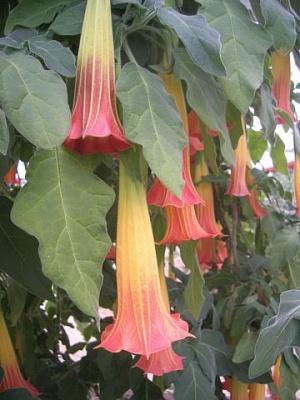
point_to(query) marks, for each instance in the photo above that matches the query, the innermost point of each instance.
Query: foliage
(57, 225)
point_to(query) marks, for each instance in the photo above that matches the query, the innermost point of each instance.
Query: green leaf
(69, 21)
(17, 297)
(222, 352)
(282, 332)
(244, 350)
(284, 246)
(64, 205)
(280, 24)
(206, 96)
(257, 145)
(34, 100)
(278, 155)
(152, 120)
(244, 45)
(17, 394)
(201, 41)
(290, 381)
(266, 110)
(294, 270)
(193, 292)
(55, 56)
(193, 384)
(4, 133)
(19, 255)
(32, 13)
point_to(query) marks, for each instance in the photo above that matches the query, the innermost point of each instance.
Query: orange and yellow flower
(12, 379)
(143, 323)
(238, 186)
(281, 71)
(95, 126)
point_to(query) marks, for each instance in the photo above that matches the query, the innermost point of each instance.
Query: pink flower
(95, 126)
(281, 71)
(143, 324)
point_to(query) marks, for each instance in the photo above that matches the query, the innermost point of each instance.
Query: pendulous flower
(258, 210)
(205, 212)
(12, 378)
(143, 323)
(95, 126)
(281, 71)
(238, 186)
(166, 360)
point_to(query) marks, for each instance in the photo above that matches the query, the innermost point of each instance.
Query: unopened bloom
(95, 126)
(143, 324)
(12, 378)
(238, 186)
(281, 71)
(159, 195)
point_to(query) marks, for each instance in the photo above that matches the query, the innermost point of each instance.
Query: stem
(128, 52)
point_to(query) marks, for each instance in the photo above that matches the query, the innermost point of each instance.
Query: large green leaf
(206, 96)
(34, 100)
(33, 13)
(152, 120)
(69, 20)
(284, 246)
(19, 255)
(64, 205)
(244, 45)
(280, 24)
(200, 40)
(282, 332)
(55, 56)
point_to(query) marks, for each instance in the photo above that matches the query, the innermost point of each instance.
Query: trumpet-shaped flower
(281, 71)
(12, 378)
(165, 360)
(95, 126)
(238, 186)
(182, 225)
(205, 212)
(143, 324)
(159, 195)
(258, 210)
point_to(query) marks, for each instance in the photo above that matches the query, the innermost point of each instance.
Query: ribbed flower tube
(239, 390)
(258, 210)
(281, 71)
(143, 324)
(95, 126)
(13, 379)
(257, 391)
(205, 212)
(238, 186)
(166, 360)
